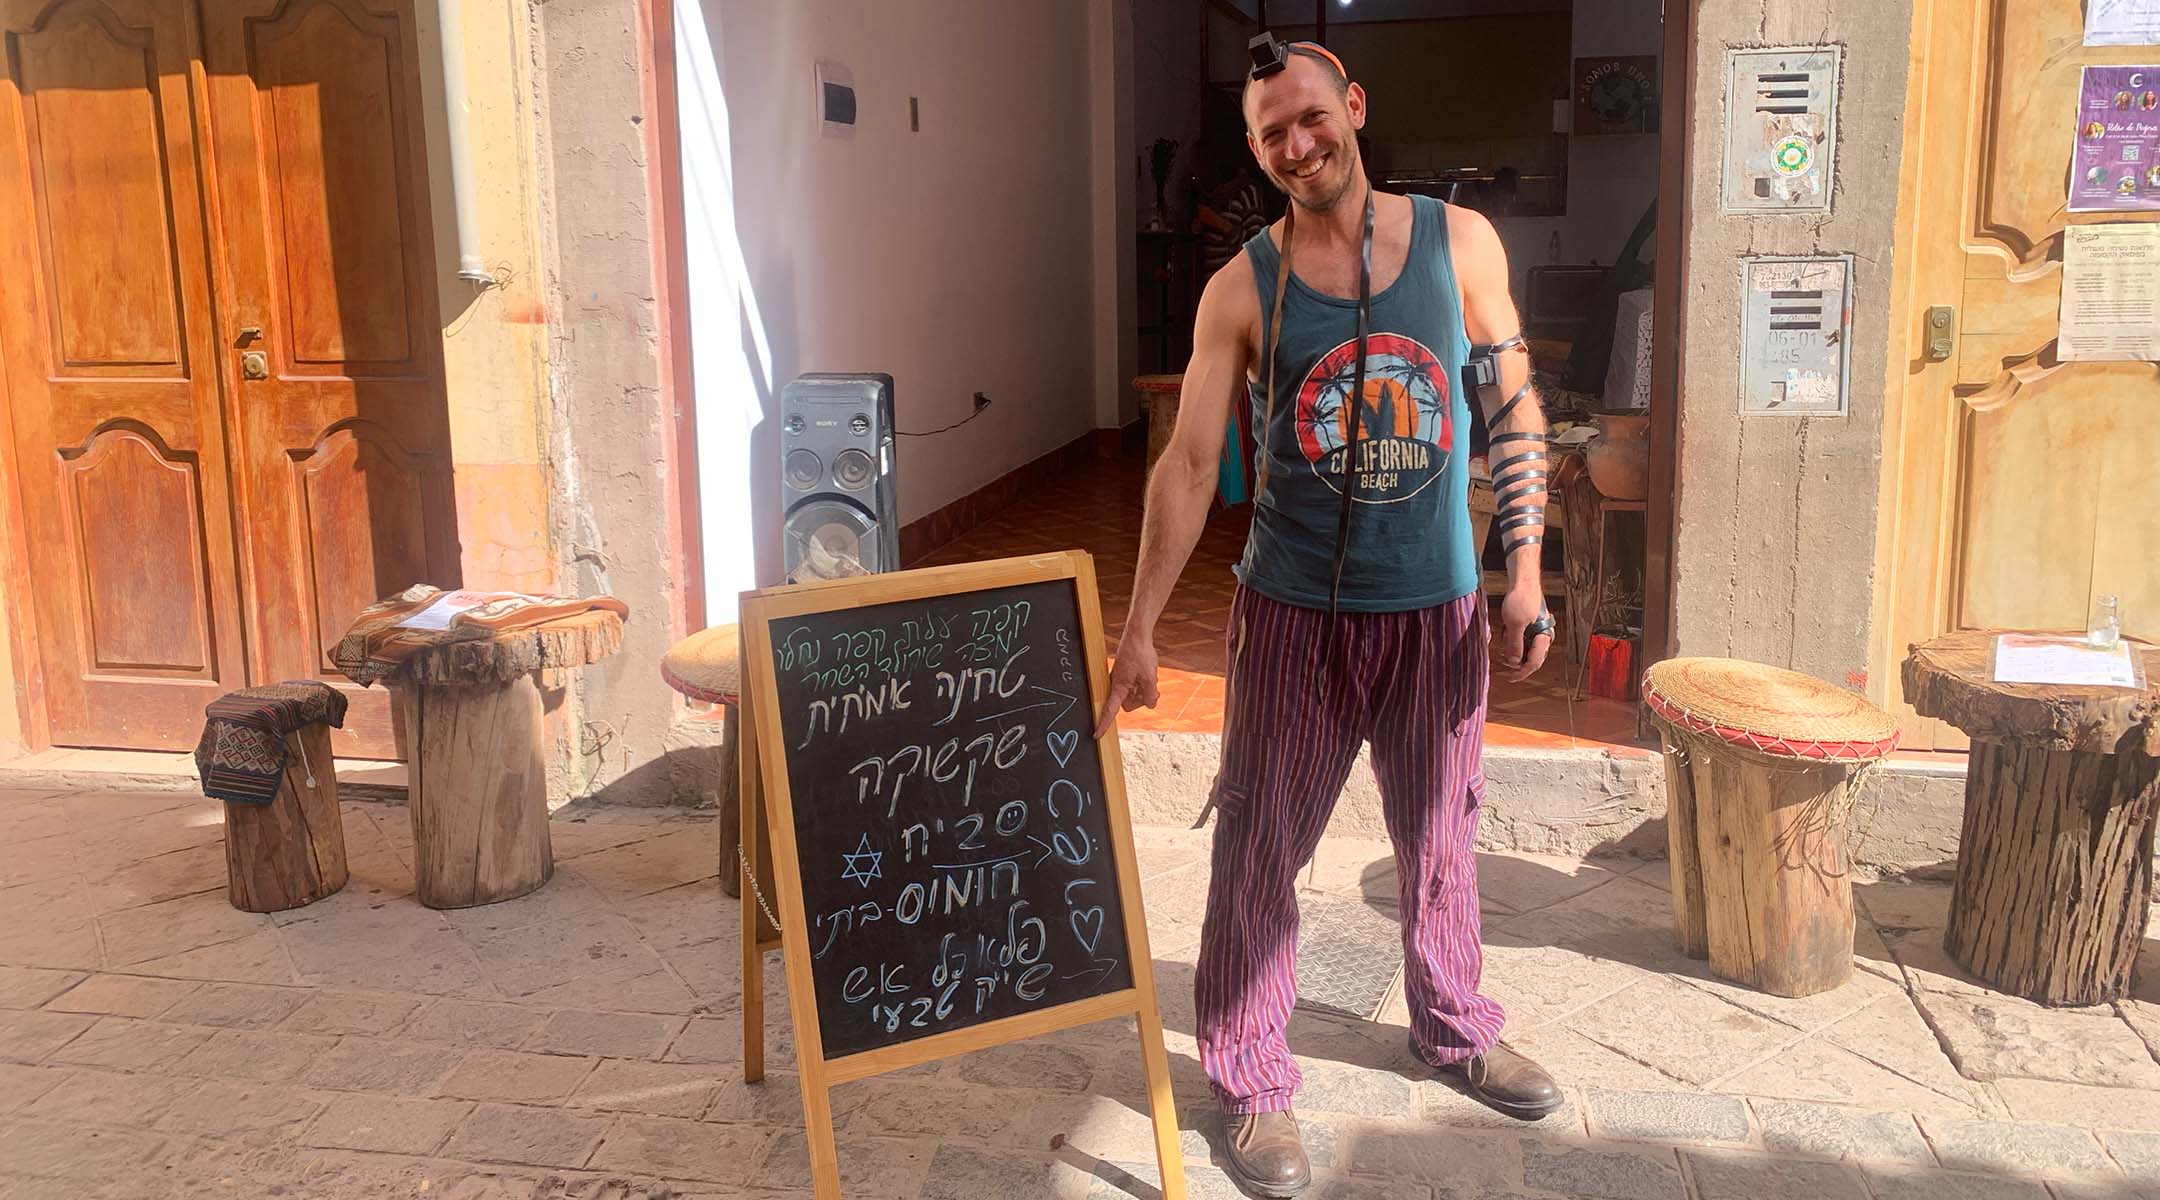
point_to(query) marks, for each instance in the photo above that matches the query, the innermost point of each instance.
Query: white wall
(1611, 180)
(959, 259)
(1168, 80)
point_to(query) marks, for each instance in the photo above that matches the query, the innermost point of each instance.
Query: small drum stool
(1761, 768)
(265, 751)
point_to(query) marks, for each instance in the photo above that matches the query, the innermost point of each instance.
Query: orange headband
(1323, 52)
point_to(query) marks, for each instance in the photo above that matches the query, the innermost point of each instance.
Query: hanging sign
(1616, 94)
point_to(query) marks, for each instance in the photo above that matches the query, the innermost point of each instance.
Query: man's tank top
(1410, 534)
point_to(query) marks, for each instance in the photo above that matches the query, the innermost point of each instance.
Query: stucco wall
(1775, 516)
(610, 437)
(494, 337)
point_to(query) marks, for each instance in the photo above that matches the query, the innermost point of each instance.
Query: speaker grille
(832, 539)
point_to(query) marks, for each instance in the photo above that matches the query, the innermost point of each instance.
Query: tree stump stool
(2054, 869)
(290, 852)
(477, 776)
(265, 752)
(1762, 766)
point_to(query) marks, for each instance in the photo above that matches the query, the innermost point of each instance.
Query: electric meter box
(1780, 129)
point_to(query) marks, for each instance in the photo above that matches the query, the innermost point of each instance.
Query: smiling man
(1346, 327)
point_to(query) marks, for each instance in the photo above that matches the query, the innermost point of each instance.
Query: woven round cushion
(1780, 713)
(706, 666)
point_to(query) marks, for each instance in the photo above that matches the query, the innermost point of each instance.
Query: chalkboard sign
(957, 865)
(950, 844)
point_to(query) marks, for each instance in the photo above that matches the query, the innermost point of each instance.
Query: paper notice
(2122, 23)
(2110, 293)
(445, 609)
(2022, 658)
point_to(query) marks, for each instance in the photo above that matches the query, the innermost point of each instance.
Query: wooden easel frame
(764, 776)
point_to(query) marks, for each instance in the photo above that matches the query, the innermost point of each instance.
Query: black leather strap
(1274, 343)
(1357, 411)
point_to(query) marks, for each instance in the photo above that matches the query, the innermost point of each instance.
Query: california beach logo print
(1404, 432)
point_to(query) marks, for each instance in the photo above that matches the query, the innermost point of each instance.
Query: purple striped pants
(1413, 684)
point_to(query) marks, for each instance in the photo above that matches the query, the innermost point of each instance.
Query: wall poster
(2115, 166)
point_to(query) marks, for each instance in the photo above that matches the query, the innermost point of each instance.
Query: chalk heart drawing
(1063, 744)
(1087, 925)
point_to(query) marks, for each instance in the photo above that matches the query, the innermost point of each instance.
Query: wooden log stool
(2054, 873)
(1159, 396)
(265, 751)
(707, 666)
(1761, 768)
(477, 779)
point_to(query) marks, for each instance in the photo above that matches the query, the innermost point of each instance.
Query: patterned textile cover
(242, 755)
(388, 632)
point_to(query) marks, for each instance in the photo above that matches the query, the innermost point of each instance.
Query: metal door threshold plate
(1349, 956)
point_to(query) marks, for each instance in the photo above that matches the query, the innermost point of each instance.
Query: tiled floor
(1098, 510)
(582, 1043)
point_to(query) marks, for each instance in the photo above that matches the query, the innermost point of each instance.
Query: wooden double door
(221, 352)
(2017, 486)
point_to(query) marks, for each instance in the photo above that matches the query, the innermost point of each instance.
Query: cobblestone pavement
(582, 1043)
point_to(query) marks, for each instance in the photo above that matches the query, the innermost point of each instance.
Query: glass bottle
(2105, 628)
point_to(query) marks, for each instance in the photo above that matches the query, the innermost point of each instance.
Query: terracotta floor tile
(1097, 508)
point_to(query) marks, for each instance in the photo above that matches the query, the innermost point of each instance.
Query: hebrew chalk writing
(952, 842)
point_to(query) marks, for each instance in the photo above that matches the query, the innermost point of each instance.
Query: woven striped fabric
(241, 756)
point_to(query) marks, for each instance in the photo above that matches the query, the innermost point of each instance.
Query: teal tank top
(1410, 531)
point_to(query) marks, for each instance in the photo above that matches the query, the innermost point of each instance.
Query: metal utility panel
(1795, 336)
(1780, 129)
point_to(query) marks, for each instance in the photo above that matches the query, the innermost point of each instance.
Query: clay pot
(1619, 456)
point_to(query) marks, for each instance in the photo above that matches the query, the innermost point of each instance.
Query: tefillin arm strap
(1518, 469)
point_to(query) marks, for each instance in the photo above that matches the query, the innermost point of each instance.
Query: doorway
(1545, 116)
(227, 428)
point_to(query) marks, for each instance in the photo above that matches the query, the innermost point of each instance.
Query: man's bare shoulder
(1230, 303)
(1471, 234)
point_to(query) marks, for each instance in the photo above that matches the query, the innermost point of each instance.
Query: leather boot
(1504, 1080)
(1267, 1155)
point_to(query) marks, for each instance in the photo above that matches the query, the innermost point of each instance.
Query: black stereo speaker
(836, 477)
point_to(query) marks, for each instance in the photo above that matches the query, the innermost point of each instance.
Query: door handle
(254, 364)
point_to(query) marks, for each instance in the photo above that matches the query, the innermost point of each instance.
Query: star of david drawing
(856, 871)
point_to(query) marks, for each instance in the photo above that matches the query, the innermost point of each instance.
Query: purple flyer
(2116, 166)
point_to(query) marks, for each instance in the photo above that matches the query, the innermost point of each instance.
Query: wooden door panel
(98, 173)
(2016, 487)
(359, 477)
(333, 154)
(107, 341)
(343, 450)
(133, 509)
(2024, 566)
